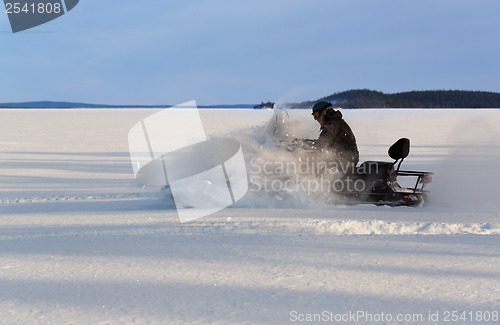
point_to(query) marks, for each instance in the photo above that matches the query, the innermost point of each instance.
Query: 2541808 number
(39, 8)
(471, 316)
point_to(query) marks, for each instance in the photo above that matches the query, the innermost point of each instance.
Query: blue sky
(226, 52)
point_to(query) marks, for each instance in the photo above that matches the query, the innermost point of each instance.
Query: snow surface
(82, 243)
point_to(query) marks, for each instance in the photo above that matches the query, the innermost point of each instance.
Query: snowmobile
(372, 182)
(379, 181)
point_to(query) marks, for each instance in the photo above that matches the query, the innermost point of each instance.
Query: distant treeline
(364, 98)
(264, 105)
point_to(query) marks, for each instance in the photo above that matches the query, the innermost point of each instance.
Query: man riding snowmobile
(336, 141)
(376, 180)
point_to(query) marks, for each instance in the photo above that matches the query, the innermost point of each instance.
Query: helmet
(319, 108)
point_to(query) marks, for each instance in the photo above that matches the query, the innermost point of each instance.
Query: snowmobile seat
(374, 174)
(374, 169)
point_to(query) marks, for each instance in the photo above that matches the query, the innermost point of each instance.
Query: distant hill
(52, 104)
(364, 98)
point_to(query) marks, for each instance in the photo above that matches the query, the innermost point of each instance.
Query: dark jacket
(336, 136)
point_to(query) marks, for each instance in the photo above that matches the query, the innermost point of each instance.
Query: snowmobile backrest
(400, 149)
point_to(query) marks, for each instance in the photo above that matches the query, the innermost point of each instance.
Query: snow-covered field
(82, 243)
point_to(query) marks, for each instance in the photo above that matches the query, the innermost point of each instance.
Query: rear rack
(422, 178)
